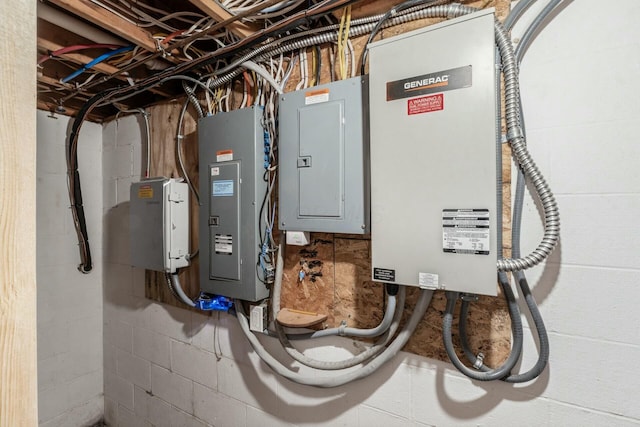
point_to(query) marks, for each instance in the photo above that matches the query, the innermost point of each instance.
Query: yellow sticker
(145, 192)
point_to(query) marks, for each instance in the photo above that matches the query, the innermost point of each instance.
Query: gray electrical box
(323, 158)
(433, 156)
(159, 224)
(231, 149)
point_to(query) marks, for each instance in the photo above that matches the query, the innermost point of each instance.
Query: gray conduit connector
(176, 289)
(338, 380)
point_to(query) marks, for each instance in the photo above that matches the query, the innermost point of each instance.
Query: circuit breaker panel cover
(231, 149)
(433, 156)
(159, 224)
(323, 158)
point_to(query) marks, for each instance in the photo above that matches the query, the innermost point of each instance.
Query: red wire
(74, 48)
(171, 36)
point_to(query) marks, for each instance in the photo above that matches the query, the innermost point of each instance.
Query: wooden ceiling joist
(109, 21)
(81, 59)
(217, 12)
(77, 58)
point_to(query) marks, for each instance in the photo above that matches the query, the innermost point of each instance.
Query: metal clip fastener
(469, 297)
(479, 361)
(515, 133)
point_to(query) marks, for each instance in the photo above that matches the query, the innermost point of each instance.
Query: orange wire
(171, 36)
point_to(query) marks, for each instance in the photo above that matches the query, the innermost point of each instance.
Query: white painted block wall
(70, 368)
(580, 89)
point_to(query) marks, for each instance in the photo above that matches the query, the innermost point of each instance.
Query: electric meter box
(323, 158)
(433, 117)
(159, 224)
(232, 188)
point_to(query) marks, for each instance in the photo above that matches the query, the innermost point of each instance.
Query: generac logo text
(425, 83)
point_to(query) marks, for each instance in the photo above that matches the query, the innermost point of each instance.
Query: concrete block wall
(70, 380)
(165, 366)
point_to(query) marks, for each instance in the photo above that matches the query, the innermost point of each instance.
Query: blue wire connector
(207, 302)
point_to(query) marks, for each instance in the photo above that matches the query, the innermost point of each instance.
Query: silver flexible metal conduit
(517, 141)
(521, 280)
(262, 53)
(504, 370)
(277, 42)
(192, 98)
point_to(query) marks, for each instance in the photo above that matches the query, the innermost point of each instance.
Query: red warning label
(425, 104)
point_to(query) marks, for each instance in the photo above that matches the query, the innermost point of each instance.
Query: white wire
(351, 58)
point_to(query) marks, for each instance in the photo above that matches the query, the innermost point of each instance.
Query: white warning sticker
(316, 96)
(223, 244)
(428, 281)
(466, 231)
(224, 155)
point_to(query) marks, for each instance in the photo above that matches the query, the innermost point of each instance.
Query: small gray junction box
(159, 224)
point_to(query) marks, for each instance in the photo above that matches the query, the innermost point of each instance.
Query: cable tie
(342, 328)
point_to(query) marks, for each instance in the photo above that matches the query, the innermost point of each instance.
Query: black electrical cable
(318, 63)
(73, 177)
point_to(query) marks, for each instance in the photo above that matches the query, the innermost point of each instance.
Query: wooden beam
(109, 21)
(217, 12)
(18, 356)
(54, 82)
(77, 58)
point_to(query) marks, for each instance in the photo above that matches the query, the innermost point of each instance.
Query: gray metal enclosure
(231, 149)
(324, 158)
(433, 156)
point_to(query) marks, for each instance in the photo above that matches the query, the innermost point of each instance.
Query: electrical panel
(159, 224)
(232, 188)
(323, 158)
(433, 156)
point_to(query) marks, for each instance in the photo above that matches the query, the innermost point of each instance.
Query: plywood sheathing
(164, 123)
(337, 279)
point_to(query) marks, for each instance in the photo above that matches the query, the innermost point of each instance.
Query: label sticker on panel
(425, 104)
(428, 281)
(316, 96)
(223, 244)
(466, 231)
(454, 78)
(384, 274)
(215, 171)
(223, 188)
(224, 155)
(145, 192)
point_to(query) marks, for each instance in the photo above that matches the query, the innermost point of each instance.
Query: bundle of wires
(218, 84)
